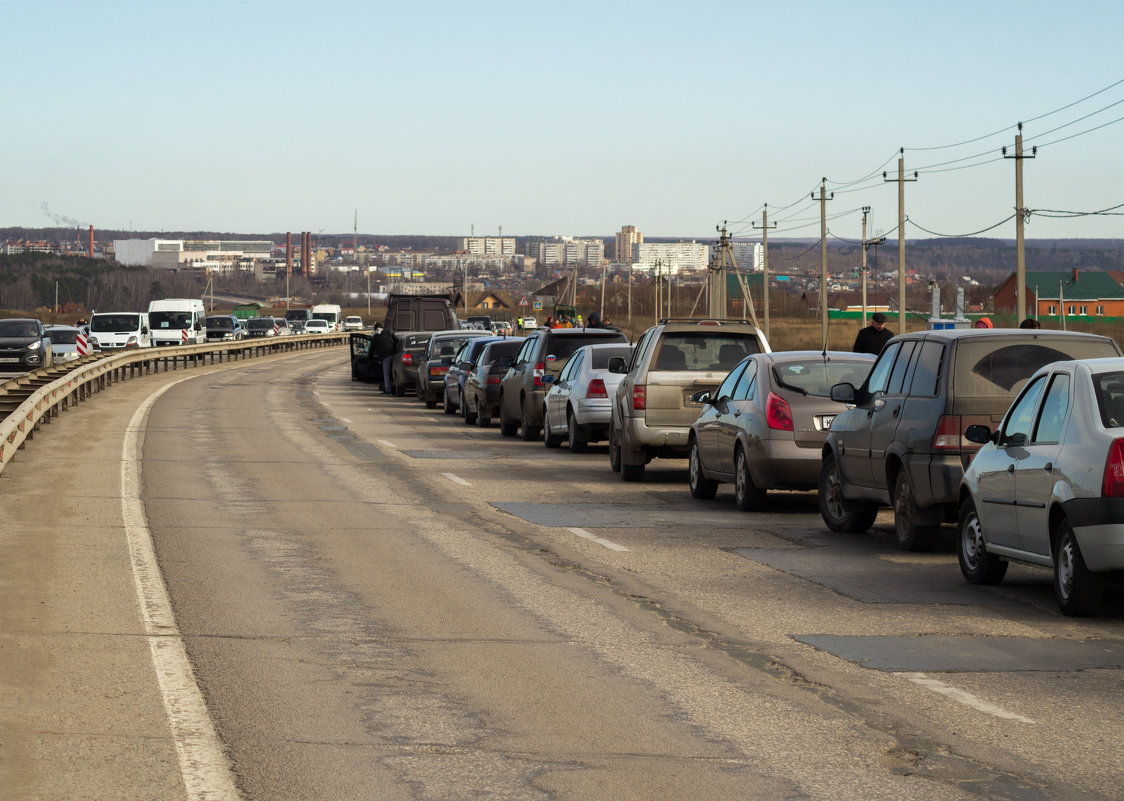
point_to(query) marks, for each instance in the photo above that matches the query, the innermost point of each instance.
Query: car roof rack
(705, 320)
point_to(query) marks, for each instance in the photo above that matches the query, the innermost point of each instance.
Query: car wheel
(430, 403)
(747, 495)
(508, 428)
(614, 450)
(839, 513)
(468, 411)
(399, 389)
(1077, 588)
(530, 432)
(701, 486)
(977, 565)
(575, 434)
(482, 419)
(548, 439)
(911, 535)
(447, 405)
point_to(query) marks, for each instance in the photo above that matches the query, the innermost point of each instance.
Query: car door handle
(738, 413)
(896, 410)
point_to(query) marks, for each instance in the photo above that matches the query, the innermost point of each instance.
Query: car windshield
(115, 322)
(63, 336)
(220, 322)
(18, 328)
(816, 376)
(170, 319)
(1109, 389)
(260, 324)
(991, 368)
(713, 350)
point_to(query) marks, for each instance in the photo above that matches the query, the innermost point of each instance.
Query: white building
(189, 253)
(685, 256)
(567, 251)
(748, 255)
(488, 246)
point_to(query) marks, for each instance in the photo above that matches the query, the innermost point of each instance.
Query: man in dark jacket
(874, 337)
(383, 345)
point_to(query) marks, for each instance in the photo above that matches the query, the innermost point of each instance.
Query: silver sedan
(1047, 488)
(577, 408)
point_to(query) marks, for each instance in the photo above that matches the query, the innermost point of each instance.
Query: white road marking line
(962, 697)
(456, 479)
(612, 546)
(206, 772)
(387, 444)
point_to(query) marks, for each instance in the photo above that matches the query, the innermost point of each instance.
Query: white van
(330, 312)
(115, 330)
(177, 321)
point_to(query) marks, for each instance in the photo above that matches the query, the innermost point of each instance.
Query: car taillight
(1112, 485)
(778, 414)
(540, 368)
(408, 359)
(596, 389)
(439, 369)
(493, 379)
(639, 397)
(948, 437)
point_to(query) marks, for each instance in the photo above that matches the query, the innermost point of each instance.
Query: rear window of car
(817, 376)
(600, 356)
(999, 368)
(688, 350)
(497, 350)
(563, 347)
(1109, 389)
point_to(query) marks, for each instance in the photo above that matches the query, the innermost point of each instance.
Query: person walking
(874, 337)
(384, 346)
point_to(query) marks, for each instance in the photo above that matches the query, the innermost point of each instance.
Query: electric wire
(959, 236)
(1111, 211)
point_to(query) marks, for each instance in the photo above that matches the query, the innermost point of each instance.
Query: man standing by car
(872, 338)
(383, 344)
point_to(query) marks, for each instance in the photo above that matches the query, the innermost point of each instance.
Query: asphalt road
(377, 601)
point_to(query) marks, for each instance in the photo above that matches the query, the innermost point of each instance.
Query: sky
(573, 118)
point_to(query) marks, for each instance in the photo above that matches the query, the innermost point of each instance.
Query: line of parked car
(1015, 436)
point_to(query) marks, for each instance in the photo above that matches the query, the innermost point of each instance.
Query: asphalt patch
(957, 654)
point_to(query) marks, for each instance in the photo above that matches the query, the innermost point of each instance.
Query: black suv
(544, 353)
(903, 443)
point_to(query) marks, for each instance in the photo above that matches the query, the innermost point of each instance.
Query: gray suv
(903, 443)
(544, 353)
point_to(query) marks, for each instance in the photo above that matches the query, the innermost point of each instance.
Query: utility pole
(823, 255)
(717, 277)
(1021, 215)
(656, 288)
(765, 264)
(901, 181)
(866, 245)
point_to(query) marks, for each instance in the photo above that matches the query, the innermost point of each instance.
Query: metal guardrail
(27, 401)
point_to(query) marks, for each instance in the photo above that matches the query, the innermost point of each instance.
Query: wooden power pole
(1021, 214)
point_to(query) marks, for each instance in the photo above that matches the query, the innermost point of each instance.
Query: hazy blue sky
(566, 118)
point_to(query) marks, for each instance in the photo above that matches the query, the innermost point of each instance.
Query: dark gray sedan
(765, 425)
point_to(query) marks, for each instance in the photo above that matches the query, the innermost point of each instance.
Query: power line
(1082, 133)
(959, 236)
(1111, 211)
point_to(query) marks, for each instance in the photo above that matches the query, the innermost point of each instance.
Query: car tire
(911, 535)
(548, 439)
(839, 513)
(530, 432)
(447, 405)
(747, 495)
(399, 389)
(701, 487)
(575, 434)
(482, 419)
(468, 411)
(430, 403)
(977, 565)
(1078, 589)
(508, 428)
(614, 450)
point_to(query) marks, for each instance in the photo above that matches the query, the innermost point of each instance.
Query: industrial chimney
(91, 254)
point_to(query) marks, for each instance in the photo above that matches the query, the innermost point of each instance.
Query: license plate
(687, 400)
(826, 421)
(9, 359)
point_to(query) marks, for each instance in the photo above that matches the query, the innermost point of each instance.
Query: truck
(177, 321)
(420, 313)
(330, 312)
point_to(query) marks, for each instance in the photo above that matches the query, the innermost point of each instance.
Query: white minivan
(115, 330)
(177, 321)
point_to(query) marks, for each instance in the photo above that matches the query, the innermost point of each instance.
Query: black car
(407, 358)
(482, 384)
(24, 344)
(438, 357)
(463, 362)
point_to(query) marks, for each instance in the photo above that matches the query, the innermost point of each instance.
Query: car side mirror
(548, 378)
(843, 393)
(617, 365)
(701, 397)
(144, 330)
(979, 434)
